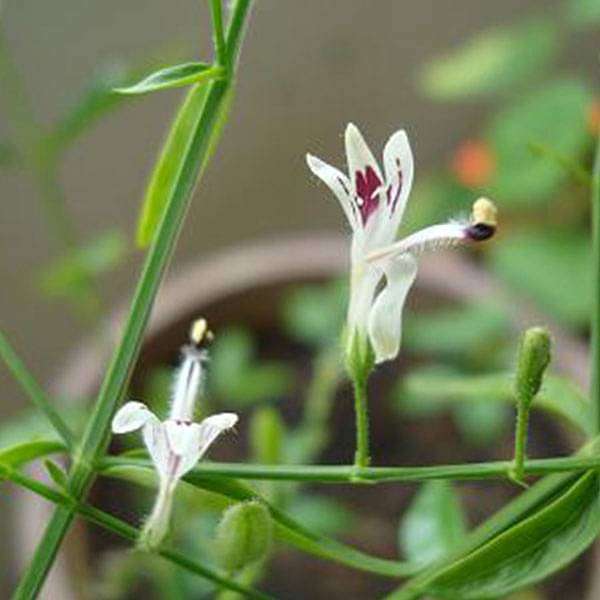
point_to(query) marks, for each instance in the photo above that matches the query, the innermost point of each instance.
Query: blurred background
(461, 76)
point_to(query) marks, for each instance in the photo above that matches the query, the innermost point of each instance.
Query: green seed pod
(266, 434)
(534, 357)
(244, 535)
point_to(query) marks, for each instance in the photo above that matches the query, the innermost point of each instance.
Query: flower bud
(244, 535)
(266, 433)
(533, 358)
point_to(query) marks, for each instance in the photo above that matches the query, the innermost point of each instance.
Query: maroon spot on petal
(392, 193)
(366, 184)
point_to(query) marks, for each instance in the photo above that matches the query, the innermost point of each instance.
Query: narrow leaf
(166, 173)
(287, 529)
(19, 454)
(56, 473)
(173, 77)
(33, 389)
(429, 389)
(528, 552)
(433, 524)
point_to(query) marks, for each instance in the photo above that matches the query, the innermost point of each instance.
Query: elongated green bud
(266, 435)
(533, 358)
(244, 535)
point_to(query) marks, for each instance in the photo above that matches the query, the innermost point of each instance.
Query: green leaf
(174, 77)
(315, 314)
(287, 528)
(93, 102)
(323, 515)
(526, 553)
(56, 473)
(481, 423)
(433, 524)
(33, 425)
(237, 376)
(426, 390)
(583, 13)
(64, 276)
(552, 268)
(475, 329)
(19, 454)
(492, 61)
(522, 177)
(170, 163)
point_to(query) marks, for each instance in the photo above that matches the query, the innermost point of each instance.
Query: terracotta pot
(245, 284)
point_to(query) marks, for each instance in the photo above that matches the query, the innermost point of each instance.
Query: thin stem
(595, 330)
(361, 457)
(34, 390)
(96, 435)
(216, 10)
(126, 531)
(518, 471)
(346, 474)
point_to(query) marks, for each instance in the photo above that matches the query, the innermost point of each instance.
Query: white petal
(213, 426)
(131, 416)
(184, 439)
(358, 154)
(363, 283)
(385, 320)
(156, 441)
(399, 169)
(430, 238)
(338, 183)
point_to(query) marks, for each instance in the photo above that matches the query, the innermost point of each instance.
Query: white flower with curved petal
(374, 202)
(176, 444)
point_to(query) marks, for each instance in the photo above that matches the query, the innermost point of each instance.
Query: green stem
(518, 471)
(34, 390)
(218, 35)
(96, 435)
(344, 474)
(125, 530)
(595, 329)
(361, 457)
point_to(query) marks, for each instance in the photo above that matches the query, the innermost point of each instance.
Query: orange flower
(593, 117)
(473, 163)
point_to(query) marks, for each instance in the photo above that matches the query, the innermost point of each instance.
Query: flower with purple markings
(382, 269)
(176, 444)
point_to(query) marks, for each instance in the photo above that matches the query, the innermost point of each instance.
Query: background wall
(308, 68)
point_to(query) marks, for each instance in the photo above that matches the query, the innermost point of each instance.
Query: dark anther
(480, 231)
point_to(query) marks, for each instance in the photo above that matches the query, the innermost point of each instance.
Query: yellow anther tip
(200, 332)
(484, 211)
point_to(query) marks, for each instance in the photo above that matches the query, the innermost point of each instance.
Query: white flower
(176, 444)
(374, 203)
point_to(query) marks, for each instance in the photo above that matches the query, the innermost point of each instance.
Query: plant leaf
(65, 276)
(529, 551)
(19, 454)
(236, 374)
(433, 524)
(56, 474)
(287, 529)
(522, 177)
(583, 13)
(481, 423)
(534, 261)
(173, 77)
(491, 61)
(170, 162)
(429, 389)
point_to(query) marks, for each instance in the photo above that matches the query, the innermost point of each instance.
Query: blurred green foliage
(492, 61)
